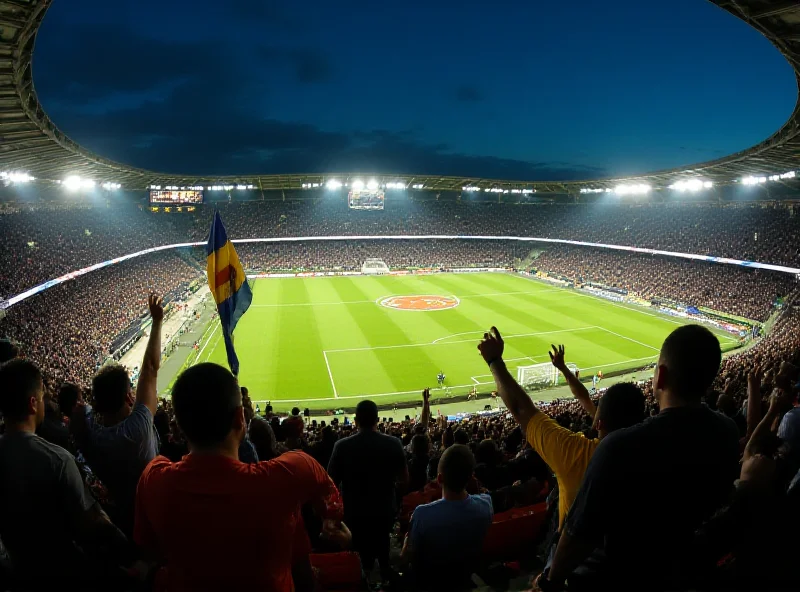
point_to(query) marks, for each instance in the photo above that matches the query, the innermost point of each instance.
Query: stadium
(371, 286)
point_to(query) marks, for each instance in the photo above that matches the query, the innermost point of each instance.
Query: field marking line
(352, 349)
(440, 339)
(377, 300)
(210, 337)
(371, 396)
(330, 374)
(604, 300)
(628, 338)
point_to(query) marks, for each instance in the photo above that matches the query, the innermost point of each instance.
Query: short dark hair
(622, 406)
(244, 390)
(367, 414)
(456, 467)
(205, 398)
(8, 351)
(420, 445)
(68, 396)
(110, 388)
(19, 381)
(461, 437)
(295, 410)
(692, 356)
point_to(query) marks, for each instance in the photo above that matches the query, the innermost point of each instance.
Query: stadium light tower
(358, 184)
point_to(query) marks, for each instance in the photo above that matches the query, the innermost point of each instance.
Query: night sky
(509, 89)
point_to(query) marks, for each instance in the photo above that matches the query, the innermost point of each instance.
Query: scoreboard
(366, 199)
(173, 197)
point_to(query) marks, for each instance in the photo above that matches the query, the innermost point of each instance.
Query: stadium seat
(338, 571)
(514, 532)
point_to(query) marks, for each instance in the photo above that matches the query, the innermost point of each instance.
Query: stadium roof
(31, 142)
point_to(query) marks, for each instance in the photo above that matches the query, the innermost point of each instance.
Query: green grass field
(325, 343)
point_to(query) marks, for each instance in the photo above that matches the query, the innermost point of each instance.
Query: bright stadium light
(470, 188)
(333, 184)
(417, 186)
(528, 191)
(358, 184)
(395, 185)
(640, 189)
(372, 185)
(691, 185)
(74, 182)
(789, 175)
(155, 187)
(16, 177)
(108, 186)
(592, 190)
(753, 180)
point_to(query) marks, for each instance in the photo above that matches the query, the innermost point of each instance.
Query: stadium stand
(727, 532)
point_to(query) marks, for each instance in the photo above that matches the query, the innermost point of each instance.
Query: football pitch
(327, 342)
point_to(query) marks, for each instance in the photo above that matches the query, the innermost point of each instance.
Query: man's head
(620, 407)
(68, 396)
(21, 392)
(366, 415)
(8, 351)
(295, 410)
(456, 468)
(687, 366)
(726, 404)
(461, 437)
(111, 389)
(208, 407)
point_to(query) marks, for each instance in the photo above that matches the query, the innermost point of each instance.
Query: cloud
(177, 136)
(467, 93)
(308, 65)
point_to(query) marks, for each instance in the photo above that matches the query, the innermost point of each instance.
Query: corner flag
(228, 285)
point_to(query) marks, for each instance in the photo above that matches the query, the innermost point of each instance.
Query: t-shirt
(565, 452)
(221, 524)
(649, 487)
(42, 497)
(447, 538)
(118, 454)
(367, 465)
(789, 430)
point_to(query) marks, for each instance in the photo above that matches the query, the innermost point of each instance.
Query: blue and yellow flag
(228, 285)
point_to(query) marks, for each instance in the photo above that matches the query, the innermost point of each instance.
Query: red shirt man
(218, 523)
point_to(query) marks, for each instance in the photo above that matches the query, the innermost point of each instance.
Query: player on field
(440, 379)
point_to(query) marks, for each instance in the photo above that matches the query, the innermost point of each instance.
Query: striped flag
(228, 285)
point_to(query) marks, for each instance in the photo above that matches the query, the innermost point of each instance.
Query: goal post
(374, 267)
(538, 376)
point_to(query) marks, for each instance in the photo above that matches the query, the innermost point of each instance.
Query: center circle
(423, 303)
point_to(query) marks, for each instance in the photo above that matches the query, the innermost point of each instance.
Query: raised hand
(557, 357)
(155, 304)
(492, 346)
(426, 395)
(755, 376)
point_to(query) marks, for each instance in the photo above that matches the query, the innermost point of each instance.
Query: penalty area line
(330, 375)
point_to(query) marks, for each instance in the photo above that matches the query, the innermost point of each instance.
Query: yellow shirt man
(565, 452)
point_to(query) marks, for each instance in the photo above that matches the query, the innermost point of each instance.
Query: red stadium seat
(510, 536)
(338, 571)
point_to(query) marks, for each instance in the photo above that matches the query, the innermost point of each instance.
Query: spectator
(634, 503)
(8, 351)
(446, 537)
(119, 438)
(370, 467)
(50, 525)
(293, 428)
(566, 452)
(211, 484)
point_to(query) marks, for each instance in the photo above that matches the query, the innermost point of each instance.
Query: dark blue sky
(508, 89)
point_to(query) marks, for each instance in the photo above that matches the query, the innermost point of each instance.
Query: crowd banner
(710, 259)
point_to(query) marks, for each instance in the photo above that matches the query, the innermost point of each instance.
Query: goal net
(540, 376)
(374, 267)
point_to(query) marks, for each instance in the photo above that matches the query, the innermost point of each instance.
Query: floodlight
(358, 184)
(108, 186)
(372, 185)
(333, 184)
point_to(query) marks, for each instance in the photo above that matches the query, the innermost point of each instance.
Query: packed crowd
(44, 242)
(350, 255)
(68, 329)
(708, 451)
(739, 291)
